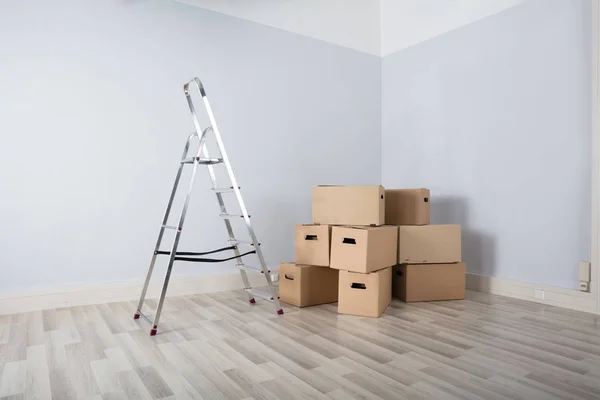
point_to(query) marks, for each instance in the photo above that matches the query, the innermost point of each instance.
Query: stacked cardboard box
(366, 243)
(348, 239)
(309, 281)
(362, 248)
(429, 256)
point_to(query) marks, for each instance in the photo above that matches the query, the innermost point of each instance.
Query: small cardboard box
(311, 244)
(348, 205)
(429, 244)
(307, 285)
(363, 248)
(429, 282)
(365, 294)
(407, 207)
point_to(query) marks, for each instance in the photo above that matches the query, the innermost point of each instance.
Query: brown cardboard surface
(365, 294)
(348, 205)
(363, 248)
(429, 244)
(407, 207)
(311, 244)
(307, 285)
(429, 282)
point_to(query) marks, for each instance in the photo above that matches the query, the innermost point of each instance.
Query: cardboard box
(365, 294)
(429, 244)
(364, 248)
(312, 244)
(429, 282)
(307, 285)
(348, 205)
(407, 207)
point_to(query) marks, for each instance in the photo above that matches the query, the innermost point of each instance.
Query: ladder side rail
(162, 228)
(174, 249)
(228, 227)
(232, 179)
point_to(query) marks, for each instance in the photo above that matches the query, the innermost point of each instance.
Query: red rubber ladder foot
(153, 331)
(136, 316)
(280, 311)
(252, 301)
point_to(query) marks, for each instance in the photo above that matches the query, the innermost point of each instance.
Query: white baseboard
(12, 303)
(566, 298)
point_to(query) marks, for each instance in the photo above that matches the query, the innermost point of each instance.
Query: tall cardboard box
(363, 248)
(407, 207)
(307, 285)
(429, 244)
(365, 294)
(429, 282)
(311, 244)
(348, 205)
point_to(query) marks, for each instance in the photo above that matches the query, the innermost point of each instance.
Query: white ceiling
(405, 23)
(379, 27)
(349, 23)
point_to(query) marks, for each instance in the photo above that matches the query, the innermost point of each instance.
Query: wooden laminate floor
(217, 346)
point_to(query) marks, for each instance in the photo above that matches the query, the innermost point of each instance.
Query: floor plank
(217, 346)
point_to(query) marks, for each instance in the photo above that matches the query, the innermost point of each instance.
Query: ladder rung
(205, 161)
(249, 268)
(230, 216)
(224, 190)
(171, 227)
(260, 293)
(258, 270)
(236, 242)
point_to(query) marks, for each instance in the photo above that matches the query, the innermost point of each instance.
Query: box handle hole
(426, 199)
(311, 237)
(349, 241)
(291, 278)
(358, 286)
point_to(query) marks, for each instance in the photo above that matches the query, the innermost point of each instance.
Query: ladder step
(260, 293)
(258, 270)
(171, 227)
(236, 242)
(249, 268)
(230, 216)
(224, 190)
(204, 161)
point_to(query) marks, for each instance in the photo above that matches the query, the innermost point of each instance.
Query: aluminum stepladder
(202, 158)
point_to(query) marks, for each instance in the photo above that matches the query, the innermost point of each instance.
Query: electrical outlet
(585, 271)
(584, 286)
(539, 294)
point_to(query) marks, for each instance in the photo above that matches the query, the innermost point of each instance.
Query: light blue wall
(93, 121)
(495, 119)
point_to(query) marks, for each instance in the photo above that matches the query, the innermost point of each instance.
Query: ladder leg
(160, 236)
(138, 311)
(251, 299)
(228, 227)
(272, 289)
(174, 249)
(238, 195)
(235, 187)
(161, 300)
